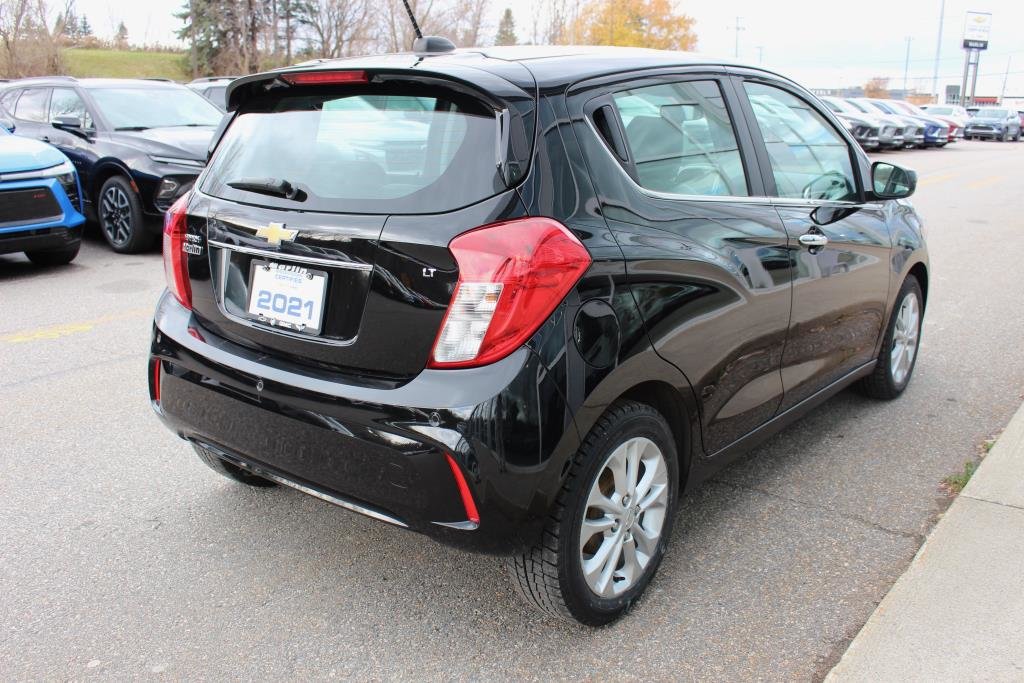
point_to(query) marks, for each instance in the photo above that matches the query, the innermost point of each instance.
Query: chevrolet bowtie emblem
(275, 233)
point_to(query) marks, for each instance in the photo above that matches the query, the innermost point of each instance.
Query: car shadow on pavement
(742, 558)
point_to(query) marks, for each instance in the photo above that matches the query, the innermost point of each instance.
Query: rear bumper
(381, 452)
(39, 239)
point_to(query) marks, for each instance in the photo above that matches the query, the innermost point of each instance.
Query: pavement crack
(995, 502)
(919, 538)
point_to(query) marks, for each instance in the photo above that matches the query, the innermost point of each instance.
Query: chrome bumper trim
(316, 493)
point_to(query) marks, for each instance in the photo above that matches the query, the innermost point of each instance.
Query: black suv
(138, 145)
(521, 299)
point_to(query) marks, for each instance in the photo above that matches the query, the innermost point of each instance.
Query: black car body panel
(708, 308)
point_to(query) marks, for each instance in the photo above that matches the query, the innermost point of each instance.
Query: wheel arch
(667, 400)
(920, 271)
(649, 379)
(105, 170)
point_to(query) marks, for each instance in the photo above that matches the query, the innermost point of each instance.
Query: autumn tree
(635, 23)
(506, 29)
(466, 19)
(877, 87)
(336, 28)
(27, 45)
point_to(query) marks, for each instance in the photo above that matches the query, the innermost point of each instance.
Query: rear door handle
(813, 239)
(44, 138)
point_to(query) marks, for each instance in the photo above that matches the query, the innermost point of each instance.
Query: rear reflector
(467, 498)
(175, 256)
(156, 380)
(512, 275)
(325, 77)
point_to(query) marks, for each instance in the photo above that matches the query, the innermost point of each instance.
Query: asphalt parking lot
(121, 555)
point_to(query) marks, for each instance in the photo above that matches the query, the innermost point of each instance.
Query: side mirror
(889, 181)
(7, 124)
(68, 123)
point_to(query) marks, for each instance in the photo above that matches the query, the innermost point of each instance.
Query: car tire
(898, 356)
(229, 470)
(54, 257)
(551, 575)
(120, 216)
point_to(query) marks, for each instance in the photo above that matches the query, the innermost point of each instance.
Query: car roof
(549, 65)
(56, 81)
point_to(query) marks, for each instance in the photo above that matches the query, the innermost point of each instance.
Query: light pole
(738, 28)
(906, 67)
(938, 53)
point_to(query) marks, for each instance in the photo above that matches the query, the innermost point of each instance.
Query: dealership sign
(976, 30)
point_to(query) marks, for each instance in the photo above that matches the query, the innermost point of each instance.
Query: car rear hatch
(319, 231)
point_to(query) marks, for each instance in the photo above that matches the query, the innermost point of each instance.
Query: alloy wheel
(116, 215)
(624, 517)
(904, 338)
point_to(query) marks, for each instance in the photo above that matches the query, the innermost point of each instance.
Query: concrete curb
(957, 613)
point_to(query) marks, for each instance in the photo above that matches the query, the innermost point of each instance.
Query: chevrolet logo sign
(275, 233)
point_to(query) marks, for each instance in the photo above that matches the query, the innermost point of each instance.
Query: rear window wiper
(271, 186)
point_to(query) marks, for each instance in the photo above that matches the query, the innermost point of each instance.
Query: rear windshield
(421, 151)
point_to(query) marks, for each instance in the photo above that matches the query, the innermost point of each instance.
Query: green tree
(121, 36)
(506, 29)
(85, 28)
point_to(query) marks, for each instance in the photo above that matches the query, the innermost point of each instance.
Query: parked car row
(136, 146)
(880, 124)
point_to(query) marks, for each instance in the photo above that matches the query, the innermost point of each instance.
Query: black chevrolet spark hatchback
(521, 299)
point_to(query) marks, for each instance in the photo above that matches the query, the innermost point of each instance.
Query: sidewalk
(957, 614)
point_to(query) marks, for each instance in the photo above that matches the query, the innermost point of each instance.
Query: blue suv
(40, 200)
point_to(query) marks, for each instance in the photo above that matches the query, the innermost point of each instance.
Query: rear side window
(32, 105)
(8, 99)
(809, 159)
(365, 152)
(682, 139)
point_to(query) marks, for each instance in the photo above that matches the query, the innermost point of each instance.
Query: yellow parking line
(984, 182)
(68, 329)
(932, 179)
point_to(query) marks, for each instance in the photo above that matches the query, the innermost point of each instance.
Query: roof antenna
(412, 18)
(426, 44)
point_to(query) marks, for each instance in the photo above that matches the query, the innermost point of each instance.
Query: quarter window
(66, 102)
(808, 157)
(682, 140)
(32, 105)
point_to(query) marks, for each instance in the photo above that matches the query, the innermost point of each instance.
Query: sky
(819, 44)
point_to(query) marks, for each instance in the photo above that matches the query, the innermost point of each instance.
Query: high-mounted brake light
(512, 275)
(175, 254)
(325, 77)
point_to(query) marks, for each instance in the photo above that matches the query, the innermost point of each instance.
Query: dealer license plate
(287, 296)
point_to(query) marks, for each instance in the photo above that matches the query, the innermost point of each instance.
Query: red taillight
(175, 256)
(325, 77)
(512, 275)
(467, 498)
